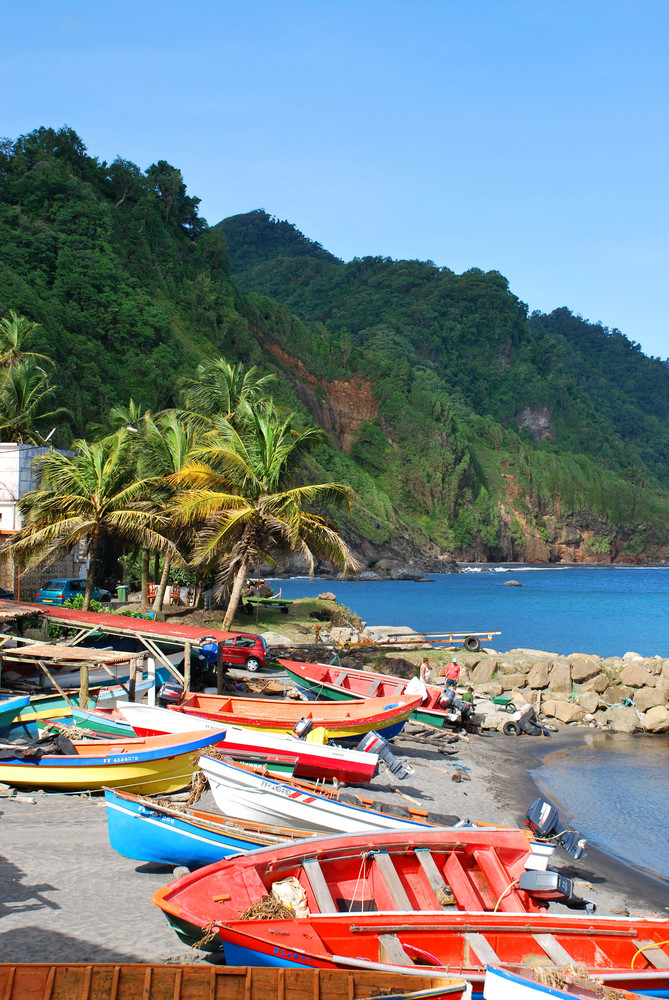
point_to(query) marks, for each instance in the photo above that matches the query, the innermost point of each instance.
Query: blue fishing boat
(9, 709)
(171, 833)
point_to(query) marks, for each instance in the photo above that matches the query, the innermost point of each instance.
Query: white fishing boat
(520, 983)
(244, 793)
(316, 760)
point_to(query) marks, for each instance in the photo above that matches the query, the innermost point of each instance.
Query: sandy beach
(66, 896)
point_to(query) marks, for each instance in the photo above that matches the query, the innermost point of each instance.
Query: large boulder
(548, 706)
(584, 668)
(510, 681)
(649, 697)
(483, 672)
(616, 693)
(560, 676)
(599, 683)
(631, 655)
(656, 720)
(508, 666)
(492, 689)
(623, 720)
(277, 639)
(538, 677)
(567, 711)
(636, 676)
(589, 701)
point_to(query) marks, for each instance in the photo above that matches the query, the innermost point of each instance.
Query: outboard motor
(170, 694)
(552, 885)
(302, 728)
(373, 743)
(544, 821)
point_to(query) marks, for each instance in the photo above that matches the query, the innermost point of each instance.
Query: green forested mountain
(465, 426)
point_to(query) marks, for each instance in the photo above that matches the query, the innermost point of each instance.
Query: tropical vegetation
(462, 425)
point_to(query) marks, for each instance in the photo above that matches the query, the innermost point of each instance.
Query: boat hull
(264, 800)
(342, 723)
(186, 982)
(145, 766)
(10, 708)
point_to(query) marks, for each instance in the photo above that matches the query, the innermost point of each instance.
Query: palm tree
(15, 331)
(235, 496)
(221, 391)
(24, 392)
(83, 498)
(167, 446)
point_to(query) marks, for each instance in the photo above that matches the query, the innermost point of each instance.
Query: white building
(19, 474)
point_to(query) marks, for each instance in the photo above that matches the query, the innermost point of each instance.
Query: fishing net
(558, 979)
(267, 908)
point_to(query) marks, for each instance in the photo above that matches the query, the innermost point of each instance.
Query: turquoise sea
(586, 609)
(614, 788)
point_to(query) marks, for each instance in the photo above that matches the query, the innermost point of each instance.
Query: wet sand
(66, 896)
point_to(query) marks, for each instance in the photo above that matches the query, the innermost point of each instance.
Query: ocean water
(590, 609)
(615, 790)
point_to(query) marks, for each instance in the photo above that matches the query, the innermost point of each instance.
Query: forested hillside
(465, 427)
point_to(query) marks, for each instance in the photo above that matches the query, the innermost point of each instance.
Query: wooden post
(151, 674)
(45, 629)
(187, 655)
(83, 687)
(219, 668)
(133, 679)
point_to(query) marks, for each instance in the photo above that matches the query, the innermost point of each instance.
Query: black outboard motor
(303, 727)
(552, 885)
(170, 694)
(544, 821)
(373, 743)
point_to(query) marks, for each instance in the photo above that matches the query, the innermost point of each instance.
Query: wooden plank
(397, 891)
(554, 949)
(340, 678)
(432, 873)
(319, 886)
(461, 884)
(391, 950)
(499, 880)
(654, 955)
(372, 688)
(485, 951)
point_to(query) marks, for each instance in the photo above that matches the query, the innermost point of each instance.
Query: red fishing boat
(321, 680)
(450, 900)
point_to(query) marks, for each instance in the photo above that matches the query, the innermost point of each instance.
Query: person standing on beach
(425, 670)
(452, 673)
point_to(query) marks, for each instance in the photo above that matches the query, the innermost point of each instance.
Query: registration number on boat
(125, 759)
(293, 956)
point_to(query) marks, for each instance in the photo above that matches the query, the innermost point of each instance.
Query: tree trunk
(162, 586)
(199, 587)
(237, 586)
(145, 577)
(156, 567)
(90, 576)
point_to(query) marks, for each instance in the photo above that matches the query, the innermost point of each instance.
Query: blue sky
(526, 137)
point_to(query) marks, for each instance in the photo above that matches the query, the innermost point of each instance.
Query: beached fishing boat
(248, 794)
(156, 764)
(321, 680)
(441, 899)
(163, 832)
(409, 871)
(10, 708)
(314, 760)
(522, 983)
(385, 716)
(210, 982)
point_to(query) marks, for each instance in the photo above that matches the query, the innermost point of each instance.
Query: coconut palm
(24, 393)
(15, 331)
(167, 446)
(83, 498)
(236, 497)
(224, 392)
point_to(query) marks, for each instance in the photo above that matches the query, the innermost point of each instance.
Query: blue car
(59, 591)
